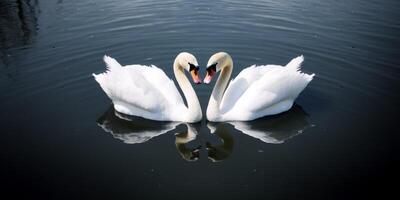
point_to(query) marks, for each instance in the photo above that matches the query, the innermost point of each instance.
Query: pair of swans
(257, 91)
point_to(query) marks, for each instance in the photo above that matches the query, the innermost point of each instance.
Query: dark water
(60, 137)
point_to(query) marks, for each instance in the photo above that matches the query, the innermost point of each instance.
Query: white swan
(257, 91)
(146, 91)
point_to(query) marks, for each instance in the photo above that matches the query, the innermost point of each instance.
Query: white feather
(140, 90)
(259, 91)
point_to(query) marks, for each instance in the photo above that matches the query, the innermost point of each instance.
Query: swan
(257, 91)
(147, 92)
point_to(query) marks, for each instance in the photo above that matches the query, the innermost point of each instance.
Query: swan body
(147, 92)
(257, 91)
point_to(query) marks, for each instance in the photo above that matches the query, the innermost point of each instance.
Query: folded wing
(139, 90)
(264, 90)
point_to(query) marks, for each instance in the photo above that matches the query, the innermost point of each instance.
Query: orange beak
(195, 76)
(209, 75)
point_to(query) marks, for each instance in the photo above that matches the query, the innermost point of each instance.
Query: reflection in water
(181, 139)
(135, 130)
(276, 129)
(18, 22)
(132, 130)
(218, 153)
(18, 25)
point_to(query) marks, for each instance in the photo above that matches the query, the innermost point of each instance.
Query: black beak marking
(212, 67)
(194, 67)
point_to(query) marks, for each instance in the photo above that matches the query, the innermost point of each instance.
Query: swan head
(215, 64)
(188, 62)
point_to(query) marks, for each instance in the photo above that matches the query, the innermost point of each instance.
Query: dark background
(338, 142)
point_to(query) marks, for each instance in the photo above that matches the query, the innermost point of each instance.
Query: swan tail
(111, 63)
(295, 63)
(309, 77)
(98, 77)
(101, 79)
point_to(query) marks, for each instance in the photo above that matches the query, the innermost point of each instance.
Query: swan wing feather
(147, 89)
(276, 85)
(243, 81)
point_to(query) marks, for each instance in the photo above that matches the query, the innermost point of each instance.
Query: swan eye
(193, 67)
(212, 67)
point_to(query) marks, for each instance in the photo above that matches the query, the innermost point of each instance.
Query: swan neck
(213, 111)
(194, 113)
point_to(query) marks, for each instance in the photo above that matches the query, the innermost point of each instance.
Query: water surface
(60, 137)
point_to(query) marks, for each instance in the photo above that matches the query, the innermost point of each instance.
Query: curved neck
(194, 110)
(219, 90)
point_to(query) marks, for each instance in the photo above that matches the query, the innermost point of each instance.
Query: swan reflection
(135, 130)
(181, 139)
(220, 152)
(132, 130)
(275, 130)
